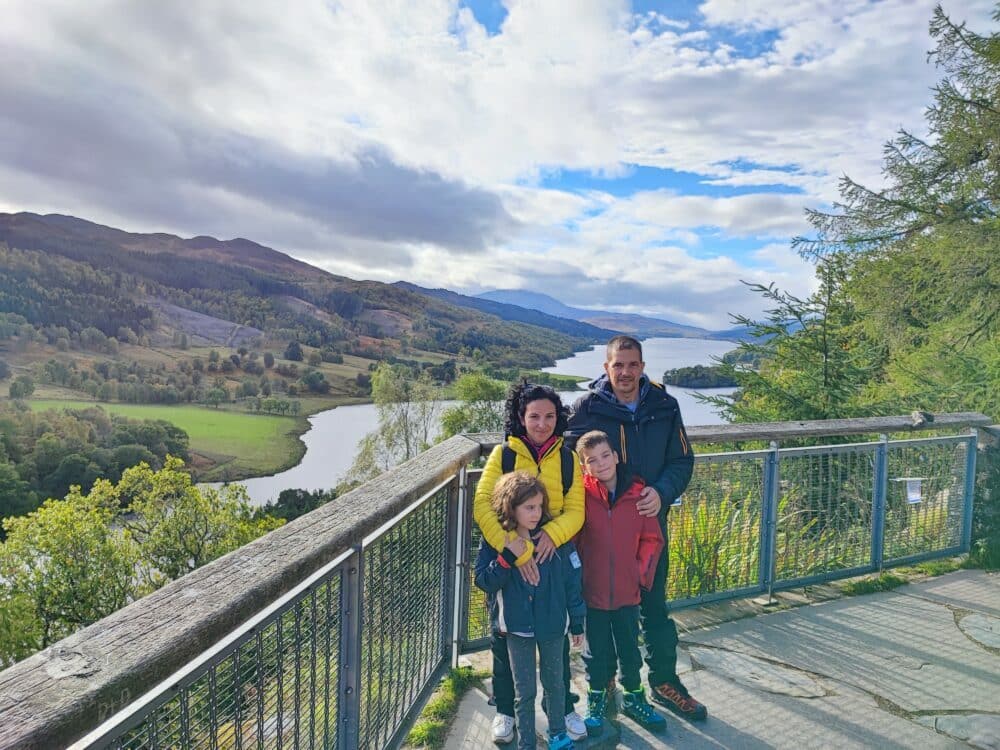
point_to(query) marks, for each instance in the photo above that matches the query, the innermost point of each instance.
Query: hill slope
(506, 311)
(639, 325)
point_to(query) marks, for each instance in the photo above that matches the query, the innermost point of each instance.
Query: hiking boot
(503, 729)
(560, 741)
(576, 728)
(596, 706)
(639, 711)
(675, 696)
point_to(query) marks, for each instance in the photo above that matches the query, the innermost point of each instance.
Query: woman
(534, 423)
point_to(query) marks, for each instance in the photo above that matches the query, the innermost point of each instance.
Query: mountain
(77, 282)
(516, 312)
(638, 325)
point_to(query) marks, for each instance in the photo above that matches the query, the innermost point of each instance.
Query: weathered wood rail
(58, 695)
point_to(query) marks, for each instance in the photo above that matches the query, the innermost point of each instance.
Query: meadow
(229, 445)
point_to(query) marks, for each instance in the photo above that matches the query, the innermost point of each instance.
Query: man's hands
(576, 640)
(649, 503)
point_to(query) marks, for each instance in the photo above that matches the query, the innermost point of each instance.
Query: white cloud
(396, 139)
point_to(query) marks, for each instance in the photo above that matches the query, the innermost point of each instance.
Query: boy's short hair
(512, 490)
(590, 440)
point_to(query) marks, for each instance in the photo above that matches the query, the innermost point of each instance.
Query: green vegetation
(481, 409)
(906, 316)
(76, 560)
(431, 728)
(699, 376)
(239, 445)
(871, 585)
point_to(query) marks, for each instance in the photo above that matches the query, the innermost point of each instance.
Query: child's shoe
(637, 709)
(597, 704)
(560, 741)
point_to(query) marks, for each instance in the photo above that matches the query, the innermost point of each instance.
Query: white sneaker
(503, 729)
(575, 727)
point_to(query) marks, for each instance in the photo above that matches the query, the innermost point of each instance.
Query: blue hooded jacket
(543, 611)
(651, 441)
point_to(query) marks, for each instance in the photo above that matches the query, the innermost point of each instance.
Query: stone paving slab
(917, 667)
(899, 645)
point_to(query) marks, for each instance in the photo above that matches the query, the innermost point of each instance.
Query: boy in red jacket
(619, 549)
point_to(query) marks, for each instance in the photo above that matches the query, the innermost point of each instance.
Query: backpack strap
(507, 459)
(566, 458)
(567, 468)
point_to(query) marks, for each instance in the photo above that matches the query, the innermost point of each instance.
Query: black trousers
(610, 633)
(658, 629)
(503, 679)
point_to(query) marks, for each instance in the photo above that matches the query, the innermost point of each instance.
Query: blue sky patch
(490, 13)
(639, 179)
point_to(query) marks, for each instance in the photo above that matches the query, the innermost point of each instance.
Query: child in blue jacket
(532, 617)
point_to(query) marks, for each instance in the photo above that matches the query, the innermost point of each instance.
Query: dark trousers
(526, 676)
(658, 629)
(503, 680)
(611, 632)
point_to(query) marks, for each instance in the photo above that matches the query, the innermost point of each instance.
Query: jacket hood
(601, 387)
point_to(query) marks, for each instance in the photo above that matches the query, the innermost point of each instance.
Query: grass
(883, 582)
(432, 726)
(239, 445)
(937, 567)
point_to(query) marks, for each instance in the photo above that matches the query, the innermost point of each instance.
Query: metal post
(458, 589)
(349, 704)
(970, 489)
(769, 526)
(880, 491)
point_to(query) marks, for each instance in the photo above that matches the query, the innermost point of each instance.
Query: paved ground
(918, 667)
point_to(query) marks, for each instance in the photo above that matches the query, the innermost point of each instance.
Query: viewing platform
(332, 631)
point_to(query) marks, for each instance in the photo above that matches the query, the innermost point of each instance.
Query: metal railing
(332, 631)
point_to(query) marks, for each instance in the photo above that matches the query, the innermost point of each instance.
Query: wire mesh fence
(403, 638)
(925, 500)
(346, 658)
(714, 530)
(274, 686)
(825, 500)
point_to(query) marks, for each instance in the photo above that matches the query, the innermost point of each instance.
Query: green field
(236, 445)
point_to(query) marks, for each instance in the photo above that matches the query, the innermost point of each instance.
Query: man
(644, 426)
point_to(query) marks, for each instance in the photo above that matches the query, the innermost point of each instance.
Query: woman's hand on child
(576, 640)
(517, 545)
(649, 504)
(544, 547)
(529, 572)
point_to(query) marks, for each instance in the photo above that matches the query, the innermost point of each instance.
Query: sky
(644, 157)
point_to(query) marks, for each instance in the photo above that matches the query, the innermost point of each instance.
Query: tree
(408, 412)
(179, 527)
(923, 253)
(481, 409)
(294, 351)
(4, 370)
(268, 360)
(813, 361)
(68, 561)
(22, 387)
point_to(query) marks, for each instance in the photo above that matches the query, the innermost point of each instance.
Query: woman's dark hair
(518, 398)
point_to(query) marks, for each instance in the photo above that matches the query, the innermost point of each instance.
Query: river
(333, 437)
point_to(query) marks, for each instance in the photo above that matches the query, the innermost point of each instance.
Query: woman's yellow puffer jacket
(567, 512)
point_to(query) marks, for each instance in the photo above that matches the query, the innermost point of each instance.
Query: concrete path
(917, 667)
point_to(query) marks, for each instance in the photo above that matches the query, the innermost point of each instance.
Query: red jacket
(618, 547)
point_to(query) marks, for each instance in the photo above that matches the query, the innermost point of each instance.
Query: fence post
(970, 490)
(460, 580)
(769, 524)
(880, 492)
(351, 616)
